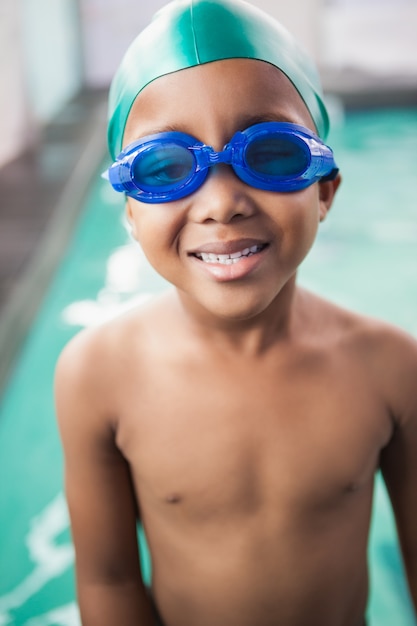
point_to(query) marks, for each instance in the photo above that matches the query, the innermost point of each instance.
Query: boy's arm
(100, 497)
(399, 458)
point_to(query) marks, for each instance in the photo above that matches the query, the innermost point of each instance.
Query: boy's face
(211, 102)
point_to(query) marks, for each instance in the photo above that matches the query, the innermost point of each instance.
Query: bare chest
(234, 443)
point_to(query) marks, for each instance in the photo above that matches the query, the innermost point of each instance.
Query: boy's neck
(248, 336)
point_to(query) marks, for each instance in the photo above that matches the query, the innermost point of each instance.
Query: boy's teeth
(228, 259)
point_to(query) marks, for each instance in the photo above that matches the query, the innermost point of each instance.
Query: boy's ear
(327, 192)
(129, 216)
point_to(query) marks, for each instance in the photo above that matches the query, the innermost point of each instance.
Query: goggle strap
(331, 176)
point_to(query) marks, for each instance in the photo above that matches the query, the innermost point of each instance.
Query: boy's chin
(229, 308)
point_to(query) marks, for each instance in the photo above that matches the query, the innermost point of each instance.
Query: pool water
(364, 258)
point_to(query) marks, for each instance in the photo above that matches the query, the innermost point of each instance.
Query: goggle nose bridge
(208, 157)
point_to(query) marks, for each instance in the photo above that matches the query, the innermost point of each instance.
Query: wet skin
(240, 416)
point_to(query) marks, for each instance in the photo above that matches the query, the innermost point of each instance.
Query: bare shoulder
(388, 352)
(93, 366)
(87, 363)
(82, 392)
(357, 328)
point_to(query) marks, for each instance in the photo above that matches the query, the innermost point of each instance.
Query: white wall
(301, 17)
(14, 120)
(48, 47)
(40, 67)
(53, 54)
(108, 28)
(377, 39)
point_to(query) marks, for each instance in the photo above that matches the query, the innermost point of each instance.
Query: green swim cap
(186, 33)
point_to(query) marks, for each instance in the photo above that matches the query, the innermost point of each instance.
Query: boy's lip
(232, 260)
(227, 247)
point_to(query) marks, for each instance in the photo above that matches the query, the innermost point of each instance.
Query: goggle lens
(276, 157)
(162, 166)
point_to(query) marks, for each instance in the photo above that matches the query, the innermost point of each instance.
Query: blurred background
(50, 51)
(66, 259)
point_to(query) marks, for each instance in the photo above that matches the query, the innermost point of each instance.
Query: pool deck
(41, 193)
(42, 190)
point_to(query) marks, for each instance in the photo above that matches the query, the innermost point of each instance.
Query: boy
(240, 417)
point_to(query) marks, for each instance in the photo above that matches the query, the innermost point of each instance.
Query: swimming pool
(365, 258)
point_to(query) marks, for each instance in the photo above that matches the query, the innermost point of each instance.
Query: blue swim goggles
(274, 156)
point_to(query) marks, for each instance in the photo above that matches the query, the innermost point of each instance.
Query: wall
(376, 38)
(53, 54)
(301, 17)
(50, 48)
(108, 28)
(40, 67)
(13, 105)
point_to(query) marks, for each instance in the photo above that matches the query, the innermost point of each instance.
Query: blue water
(364, 258)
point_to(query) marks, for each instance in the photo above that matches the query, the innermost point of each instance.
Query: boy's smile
(230, 260)
(227, 246)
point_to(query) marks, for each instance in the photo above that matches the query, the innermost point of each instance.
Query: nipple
(173, 498)
(352, 487)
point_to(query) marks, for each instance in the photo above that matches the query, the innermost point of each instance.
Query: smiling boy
(240, 417)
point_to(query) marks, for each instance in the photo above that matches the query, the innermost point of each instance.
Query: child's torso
(255, 479)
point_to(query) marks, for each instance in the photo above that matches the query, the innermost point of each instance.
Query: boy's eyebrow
(244, 123)
(168, 128)
(251, 120)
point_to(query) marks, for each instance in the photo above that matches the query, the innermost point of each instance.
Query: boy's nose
(223, 197)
